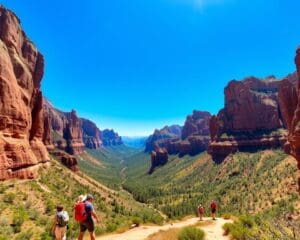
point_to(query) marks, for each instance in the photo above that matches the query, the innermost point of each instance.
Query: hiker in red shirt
(213, 208)
(200, 211)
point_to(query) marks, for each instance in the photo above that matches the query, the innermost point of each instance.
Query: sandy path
(213, 231)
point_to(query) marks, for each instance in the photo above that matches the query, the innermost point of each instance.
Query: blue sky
(136, 65)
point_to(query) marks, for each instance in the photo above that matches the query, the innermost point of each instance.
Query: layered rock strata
(250, 120)
(22, 151)
(289, 99)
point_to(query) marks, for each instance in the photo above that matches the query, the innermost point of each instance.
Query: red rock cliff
(289, 99)
(163, 137)
(250, 120)
(91, 134)
(191, 139)
(21, 114)
(110, 138)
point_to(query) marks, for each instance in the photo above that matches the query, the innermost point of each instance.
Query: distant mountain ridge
(135, 142)
(192, 139)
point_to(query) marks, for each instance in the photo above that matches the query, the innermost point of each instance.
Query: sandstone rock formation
(64, 129)
(163, 137)
(68, 160)
(193, 138)
(91, 134)
(289, 99)
(195, 133)
(250, 120)
(196, 124)
(68, 132)
(110, 138)
(21, 115)
(159, 156)
(73, 134)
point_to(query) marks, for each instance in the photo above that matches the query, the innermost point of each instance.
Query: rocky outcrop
(64, 130)
(66, 159)
(289, 99)
(73, 134)
(196, 124)
(91, 134)
(110, 138)
(250, 120)
(159, 157)
(163, 137)
(67, 132)
(192, 139)
(195, 133)
(21, 114)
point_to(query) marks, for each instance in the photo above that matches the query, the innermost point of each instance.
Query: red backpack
(213, 205)
(80, 213)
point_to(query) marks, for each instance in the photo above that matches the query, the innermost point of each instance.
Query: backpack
(201, 210)
(213, 205)
(80, 212)
(62, 218)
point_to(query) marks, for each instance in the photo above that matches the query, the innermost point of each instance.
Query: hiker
(213, 208)
(200, 211)
(88, 217)
(59, 227)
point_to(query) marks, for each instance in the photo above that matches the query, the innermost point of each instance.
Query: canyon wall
(22, 151)
(289, 99)
(251, 118)
(110, 138)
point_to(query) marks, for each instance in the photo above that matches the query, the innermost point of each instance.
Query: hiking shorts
(213, 210)
(60, 233)
(87, 225)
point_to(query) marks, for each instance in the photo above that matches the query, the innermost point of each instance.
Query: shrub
(191, 233)
(9, 197)
(25, 236)
(247, 221)
(226, 228)
(111, 227)
(33, 214)
(226, 215)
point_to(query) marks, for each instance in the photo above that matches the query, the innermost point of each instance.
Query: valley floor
(213, 230)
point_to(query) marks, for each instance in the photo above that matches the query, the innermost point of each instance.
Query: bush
(226, 215)
(9, 198)
(18, 220)
(111, 227)
(240, 229)
(226, 228)
(25, 236)
(247, 221)
(191, 233)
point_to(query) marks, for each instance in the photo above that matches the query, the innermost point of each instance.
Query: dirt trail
(213, 231)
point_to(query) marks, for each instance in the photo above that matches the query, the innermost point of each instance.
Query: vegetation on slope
(28, 206)
(106, 164)
(260, 185)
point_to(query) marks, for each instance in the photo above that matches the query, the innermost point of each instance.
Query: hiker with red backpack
(60, 222)
(200, 211)
(213, 208)
(85, 215)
